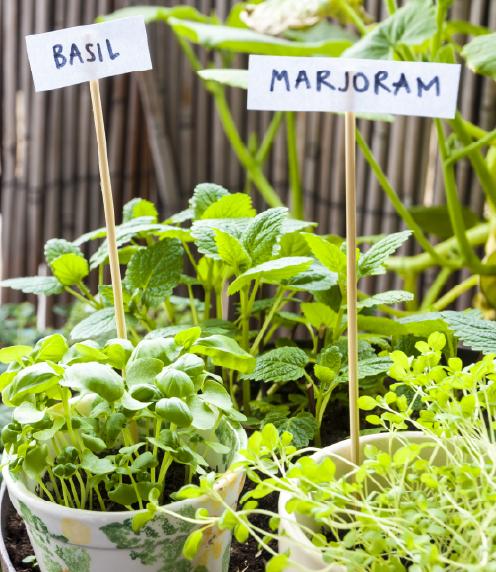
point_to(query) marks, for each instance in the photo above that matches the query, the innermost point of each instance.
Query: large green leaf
(372, 262)
(389, 297)
(237, 205)
(230, 250)
(246, 41)
(100, 323)
(137, 208)
(328, 254)
(316, 279)
(272, 272)
(96, 378)
(479, 55)
(70, 268)
(31, 380)
(224, 352)
(156, 270)
(40, 285)
(204, 196)
(411, 26)
(301, 426)
(56, 247)
(158, 13)
(474, 331)
(263, 233)
(280, 365)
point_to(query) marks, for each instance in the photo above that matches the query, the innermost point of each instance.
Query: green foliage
(280, 365)
(478, 52)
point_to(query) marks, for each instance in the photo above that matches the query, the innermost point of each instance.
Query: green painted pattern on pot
(69, 557)
(148, 546)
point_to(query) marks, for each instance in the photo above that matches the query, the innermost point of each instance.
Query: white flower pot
(302, 553)
(72, 540)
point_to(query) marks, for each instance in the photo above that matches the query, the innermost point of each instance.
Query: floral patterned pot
(72, 540)
(302, 553)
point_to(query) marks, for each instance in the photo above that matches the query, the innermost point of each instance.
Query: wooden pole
(351, 288)
(108, 206)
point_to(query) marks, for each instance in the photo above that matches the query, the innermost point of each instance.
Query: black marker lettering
(59, 59)
(378, 81)
(302, 78)
(402, 83)
(280, 76)
(321, 80)
(366, 82)
(112, 55)
(426, 87)
(75, 53)
(346, 82)
(92, 57)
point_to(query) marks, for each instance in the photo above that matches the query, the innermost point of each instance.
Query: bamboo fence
(164, 137)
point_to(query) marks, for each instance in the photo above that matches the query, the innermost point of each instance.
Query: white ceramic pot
(294, 541)
(72, 540)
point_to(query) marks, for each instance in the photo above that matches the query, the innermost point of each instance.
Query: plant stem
(267, 321)
(353, 16)
(455, 293)
(437, 41)
(391, 6)
(453, 202)
(268, 140)
(194, 314)
(245, 342)
(435, 289)
(475, 146)
(395, 199)
(79, 297)
(297, 203)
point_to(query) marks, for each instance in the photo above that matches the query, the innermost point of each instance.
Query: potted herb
(422, 497)
(102, 433)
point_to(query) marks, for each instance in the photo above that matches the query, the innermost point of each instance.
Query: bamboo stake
(108, 206)
(351, 287)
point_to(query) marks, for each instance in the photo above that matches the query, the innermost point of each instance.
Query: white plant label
(361, 86)
(76, 55)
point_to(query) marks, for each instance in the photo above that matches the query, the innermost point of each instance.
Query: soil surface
(18, 544)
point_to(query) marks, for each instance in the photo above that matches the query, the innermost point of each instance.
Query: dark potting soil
(18, 544)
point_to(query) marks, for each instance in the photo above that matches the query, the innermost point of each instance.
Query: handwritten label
(363, 86)
(75, 55)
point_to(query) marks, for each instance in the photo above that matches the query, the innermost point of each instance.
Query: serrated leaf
(372, 262)
(319, 315)
(263, 233)
(203, 233)
(56, 247)
(474, 331)
(230, 250)
(280, 365)
(70, 269)
(272, 272)
(205, 195)
(389, 297)
(479, 55)
(137, 208)
(97, 324)
(411, 25)
(156, 270)
(369, 367)
(328, 254)
(316, 279)
(237, 205)
(302, 427)
(40, 285)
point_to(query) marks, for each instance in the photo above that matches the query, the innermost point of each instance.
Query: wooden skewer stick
(108, 206)
(351, 241)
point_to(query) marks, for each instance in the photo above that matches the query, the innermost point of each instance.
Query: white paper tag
(75, 55)
(363, 86)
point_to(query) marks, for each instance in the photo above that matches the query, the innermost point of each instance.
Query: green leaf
(90, 462)
(302, 427)
(174, 410)
(40, 285)
(240, 40)
(192, 544)
(280, 365)
(319, 315)
(95, 378)
(383, 326)
(372, 262)
(204, 418)
(156, 270)
(50, 348)
(263, 233)
(34, 379)
(474, 331)
(435, 220)
(205, 195)
(479, 55)
(237, 205)
(70, 269)
(224, 352)
(118, 352)
(229, 77)
(137, 208)
(367, 403)
(316, 279)
(272, 272)
(56, 247)
(422, 325)
(143, 371)
(215, 394)
(389, 297)
(27, 414)
(158, 14)
(230, 250)
(35, 462)
(14, 353)
(369, 367)
(277, 563)
(328, 254)
(97, 324)
(411, 25)
(203, 233)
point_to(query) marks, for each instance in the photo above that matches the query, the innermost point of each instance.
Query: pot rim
(290, 523)
(47, 507)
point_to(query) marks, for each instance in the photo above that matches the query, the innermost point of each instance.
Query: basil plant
(99, 426)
